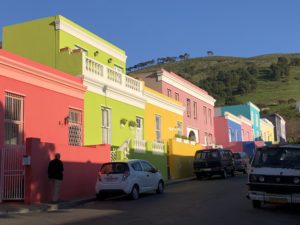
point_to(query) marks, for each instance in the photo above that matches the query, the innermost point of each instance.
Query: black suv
(211, 162)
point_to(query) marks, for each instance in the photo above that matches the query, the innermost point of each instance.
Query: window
(252, 117)
(229, 134)
(205, 138)
(139, 128)
(256, 117)
(179, 127)
(210, 138)
(248, 136)
(137, 166)
(13, 119)
(176, 96)
(195, 110)
(205, 114)
(106, 125)
(236, 135)
(75, 127)
(147, 167)
(243, 133)
(157, 128)
(209, 116)
(169, 92)
(188, 107)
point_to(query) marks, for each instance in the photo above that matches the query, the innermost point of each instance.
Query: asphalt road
(206, 202)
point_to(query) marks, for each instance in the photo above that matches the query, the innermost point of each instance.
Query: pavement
(15, 207)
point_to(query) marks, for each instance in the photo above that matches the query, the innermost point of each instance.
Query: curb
(68, 204)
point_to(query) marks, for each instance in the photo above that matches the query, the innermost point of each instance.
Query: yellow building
(164, 121)
(266, 130)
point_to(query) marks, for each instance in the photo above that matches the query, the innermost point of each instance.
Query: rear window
(207, 155)
(114, 168)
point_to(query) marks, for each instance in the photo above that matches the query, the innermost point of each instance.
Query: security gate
(12, 173)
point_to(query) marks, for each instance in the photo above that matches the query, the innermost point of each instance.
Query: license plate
(278, 200)
(111, 179)
(206, 169)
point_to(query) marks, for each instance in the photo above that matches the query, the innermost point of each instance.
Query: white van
(275, 175)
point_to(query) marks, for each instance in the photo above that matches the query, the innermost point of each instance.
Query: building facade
(267, 130)
(279, 127)
(199, 106)
(248, 110)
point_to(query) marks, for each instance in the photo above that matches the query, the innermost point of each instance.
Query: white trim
(65, 26)
(114, 93)
(196, 131)
(254, 106)
(245, 120)
(163, 103)
(230, 116)
(168, 78)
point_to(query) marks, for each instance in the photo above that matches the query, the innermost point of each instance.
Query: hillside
(269, 94)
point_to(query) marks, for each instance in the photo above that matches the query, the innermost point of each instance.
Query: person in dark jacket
(55, 174)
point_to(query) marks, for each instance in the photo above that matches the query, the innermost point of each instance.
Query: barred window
(75, 127)
(13, 119)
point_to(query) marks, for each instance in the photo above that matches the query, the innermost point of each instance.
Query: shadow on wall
(81, 165)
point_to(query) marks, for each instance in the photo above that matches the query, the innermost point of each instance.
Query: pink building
(246, 125)
(41, 111)
(199, 113)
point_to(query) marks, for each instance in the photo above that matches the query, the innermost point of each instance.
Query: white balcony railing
(106, 75)
(139, 145)
(158, 148)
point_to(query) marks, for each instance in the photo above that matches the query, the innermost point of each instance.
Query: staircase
(121, 152)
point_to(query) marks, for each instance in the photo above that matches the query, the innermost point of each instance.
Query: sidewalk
(10, 208)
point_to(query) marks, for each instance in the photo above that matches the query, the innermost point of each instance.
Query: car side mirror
(153, 170)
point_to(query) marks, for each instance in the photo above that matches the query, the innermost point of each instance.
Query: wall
(168, 122)
(93, 119)
(235, 127)
(81, 165)
(247, 129)
(48, 96)
(34, 40)
(181, 158)
(221, 130)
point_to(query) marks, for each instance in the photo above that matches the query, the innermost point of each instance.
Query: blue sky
(148, 29)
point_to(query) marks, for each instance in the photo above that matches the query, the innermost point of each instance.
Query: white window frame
(75, 125)
(158, 135)
(139, 128)
(106, 126)
(13, 116)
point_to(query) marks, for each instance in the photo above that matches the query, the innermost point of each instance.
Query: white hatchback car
(130, 177)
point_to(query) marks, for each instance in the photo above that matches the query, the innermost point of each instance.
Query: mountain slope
(270, 95)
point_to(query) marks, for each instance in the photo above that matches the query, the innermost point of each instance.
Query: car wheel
(256, 204)
(135, 193)
(224, 174)
(160, 187)
(100, 196)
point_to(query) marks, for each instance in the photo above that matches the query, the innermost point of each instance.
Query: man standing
(55, 173)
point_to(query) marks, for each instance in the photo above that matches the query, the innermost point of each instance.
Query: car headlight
(261, 178)
(253, 178)
(296, 180)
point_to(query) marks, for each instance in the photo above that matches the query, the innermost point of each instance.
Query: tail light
(125, 175)
(99, 176)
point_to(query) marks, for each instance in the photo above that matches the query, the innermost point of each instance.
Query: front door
(139, 128)
(106, 125)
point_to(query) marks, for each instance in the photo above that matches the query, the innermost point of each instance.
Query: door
(151, 176)
(139, 128)
(106, 125)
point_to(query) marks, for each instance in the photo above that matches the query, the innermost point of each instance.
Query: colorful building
(267, 130)
(60, 43)
(199, 105)
(279, 127)
(246, 126)
(248, 110)
(227, 129)
(41, 111)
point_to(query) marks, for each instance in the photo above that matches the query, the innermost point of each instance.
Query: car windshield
(237, 156)
(277, 157)
(114, 168)
(207, 155)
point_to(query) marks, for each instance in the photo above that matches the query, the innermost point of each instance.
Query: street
(205, 202)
